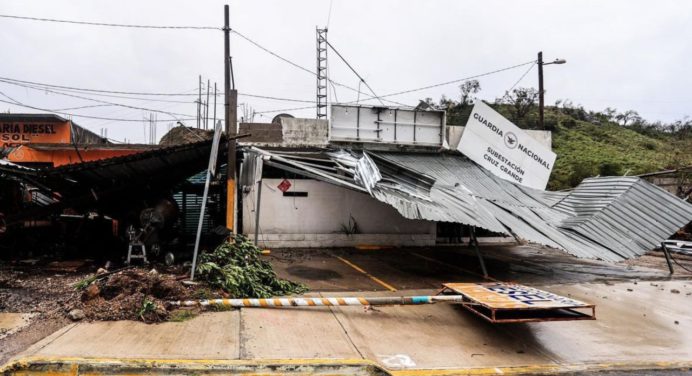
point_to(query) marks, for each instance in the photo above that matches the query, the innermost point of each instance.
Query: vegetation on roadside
(236, 267)
(181, 315)
(148, 306)
(84, 283)
(587, 143)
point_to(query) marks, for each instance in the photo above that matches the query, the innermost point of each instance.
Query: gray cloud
(623, 54)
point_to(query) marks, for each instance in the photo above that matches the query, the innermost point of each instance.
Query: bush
(580, 172)
(649, 145)
(237, 268)
(610, 169)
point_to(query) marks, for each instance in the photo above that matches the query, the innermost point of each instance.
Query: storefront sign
(16, 133)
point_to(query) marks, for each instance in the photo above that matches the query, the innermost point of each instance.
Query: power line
(100, 92)
(271, 52)
(17, 103)
(417, 89)
(354, 72)
(139, 26)
(144, 99)
(456, 81)
(172, 114)
(522, 77)
(275, 98)
(112, 24)
(95, 90)
(298, 66)
(284, 110)
(82, 107)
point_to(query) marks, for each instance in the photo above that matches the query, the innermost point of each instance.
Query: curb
(551, 369)
(67, 366)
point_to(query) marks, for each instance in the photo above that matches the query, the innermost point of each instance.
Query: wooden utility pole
(231, 107)
(540, 90)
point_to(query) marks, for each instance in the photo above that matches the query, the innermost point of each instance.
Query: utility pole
(215, 94)
(206, 109)
(540, 90)
(231, 106)
(199, 102)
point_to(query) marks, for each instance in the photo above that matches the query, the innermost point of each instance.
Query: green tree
(521, 101)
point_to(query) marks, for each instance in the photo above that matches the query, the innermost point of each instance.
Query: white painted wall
(316, 220)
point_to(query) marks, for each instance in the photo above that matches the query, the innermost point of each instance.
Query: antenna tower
(322, 101)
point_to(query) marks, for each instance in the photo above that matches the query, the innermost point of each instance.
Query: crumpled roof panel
(607, 218)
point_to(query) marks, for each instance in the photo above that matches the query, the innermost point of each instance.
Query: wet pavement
(642, 317)
(421, 268)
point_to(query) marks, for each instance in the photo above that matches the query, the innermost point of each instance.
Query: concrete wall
(261, 133)
(317, 220)
(454, 133)
(675, 183)
(298, 132)
(289, 132)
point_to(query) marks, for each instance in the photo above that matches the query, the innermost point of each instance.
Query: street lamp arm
(557, 61)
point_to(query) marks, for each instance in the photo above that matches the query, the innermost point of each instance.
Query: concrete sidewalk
(645, 324)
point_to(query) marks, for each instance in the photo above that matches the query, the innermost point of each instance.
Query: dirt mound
(184, 135)
(134, 294)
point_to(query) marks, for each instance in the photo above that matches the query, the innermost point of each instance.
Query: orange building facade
(47, 140)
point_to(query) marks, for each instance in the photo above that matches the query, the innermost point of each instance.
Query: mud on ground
(48, 291)
(137, 294)
(28, 287)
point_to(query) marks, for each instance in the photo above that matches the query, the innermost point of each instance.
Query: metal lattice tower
(321, 74)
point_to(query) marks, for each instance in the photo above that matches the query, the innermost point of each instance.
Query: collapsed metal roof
(608, 218)
(112, 184)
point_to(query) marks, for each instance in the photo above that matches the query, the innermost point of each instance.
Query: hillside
(585, 149)
(587, 143)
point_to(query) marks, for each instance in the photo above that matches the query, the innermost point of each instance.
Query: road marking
(453, 266)
(73, 366)
(547, 369)
(358, 268)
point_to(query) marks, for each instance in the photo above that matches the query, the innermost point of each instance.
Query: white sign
(371, 124)
(503, 148)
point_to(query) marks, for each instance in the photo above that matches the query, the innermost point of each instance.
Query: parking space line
(372, 277)
(453, 266)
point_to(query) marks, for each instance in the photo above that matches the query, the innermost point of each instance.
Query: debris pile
(236, 267)
(183, 135)
(233, 270)
(132, 294)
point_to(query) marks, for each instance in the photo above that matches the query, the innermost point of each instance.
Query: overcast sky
(624, 54)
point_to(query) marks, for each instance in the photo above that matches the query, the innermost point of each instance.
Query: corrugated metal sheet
(610, 218)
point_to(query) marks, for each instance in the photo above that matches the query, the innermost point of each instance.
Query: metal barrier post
(666, 252)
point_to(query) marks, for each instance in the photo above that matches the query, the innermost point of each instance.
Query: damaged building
(381, 176)
(369, 176)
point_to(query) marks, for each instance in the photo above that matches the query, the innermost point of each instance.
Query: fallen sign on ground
(511, 303)
(496, 302)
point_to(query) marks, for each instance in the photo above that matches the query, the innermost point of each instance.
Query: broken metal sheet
(605, 218)
(113, 185)
(500, 302)
(610, 218)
